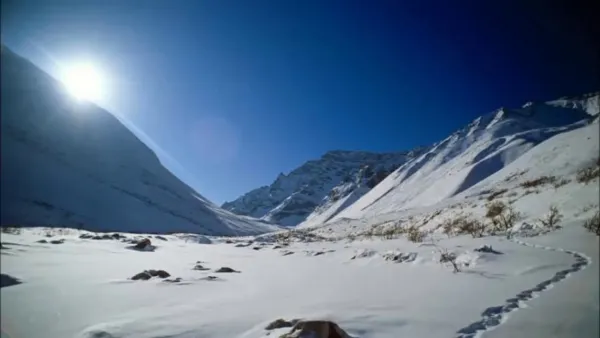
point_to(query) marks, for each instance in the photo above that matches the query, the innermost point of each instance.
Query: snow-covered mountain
(335, 186)
(588, 102)
(74, 164)
(335, 180)
(469, 156)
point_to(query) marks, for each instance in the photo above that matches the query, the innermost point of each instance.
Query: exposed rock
(173, 280)
(159, 273)
(142, 276)
(226, 269)
(316, 329)
(281, 323)
(6, 280)
(488, 249)
(147, 274)
(118, 236)
(107, 236)
(57, 241)
(86, 236)
(228, 241)
(200, 268)
(43, 241)
(257, 248)
(141, 245)
(161, 238)
(286, 252)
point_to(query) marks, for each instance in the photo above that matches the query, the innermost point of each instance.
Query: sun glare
(84, 81)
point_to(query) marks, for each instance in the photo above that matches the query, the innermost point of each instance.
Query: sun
(84, 81)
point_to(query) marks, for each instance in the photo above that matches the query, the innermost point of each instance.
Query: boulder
(199, 267)
(280, 323)
(147, 274)
(141, 245)
(226, 269)
(316, 329)
(142, 276)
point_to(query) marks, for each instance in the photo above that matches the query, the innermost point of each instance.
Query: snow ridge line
(496, 315)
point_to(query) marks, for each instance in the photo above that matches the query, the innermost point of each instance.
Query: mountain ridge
(266, 203)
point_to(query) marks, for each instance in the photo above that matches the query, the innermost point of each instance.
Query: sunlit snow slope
(469, 156)
(74, 164)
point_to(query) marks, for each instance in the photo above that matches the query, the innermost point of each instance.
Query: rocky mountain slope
(338, 177)
(74, 164)
(319, 190)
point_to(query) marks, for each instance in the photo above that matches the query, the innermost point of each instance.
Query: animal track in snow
(496, 315)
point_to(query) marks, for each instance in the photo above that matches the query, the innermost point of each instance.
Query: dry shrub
(494, 209)
(463, 224)
(449, 257)
(552, 218)
(593, 224)
(415, 235)
(560, 183)
(539, 181)
(496, 193)
(587, 175)
(504, 221)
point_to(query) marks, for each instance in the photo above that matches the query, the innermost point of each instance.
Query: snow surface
(538, 287)
(74, 164)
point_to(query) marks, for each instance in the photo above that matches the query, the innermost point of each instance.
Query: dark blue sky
(236, 92)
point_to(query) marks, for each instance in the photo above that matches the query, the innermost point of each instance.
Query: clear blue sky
(236, 92)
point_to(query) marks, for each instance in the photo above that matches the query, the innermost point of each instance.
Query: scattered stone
(43, 241)
(147, 274)
(161, 238)
(173, 280)
(142, 276)
(316, 329)
(57, 241)
(159, 273)
(6, 280)
(257, 248)
(488, 249)
(226, 269)
(287, 253)
(210, 278)
(199, 267)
